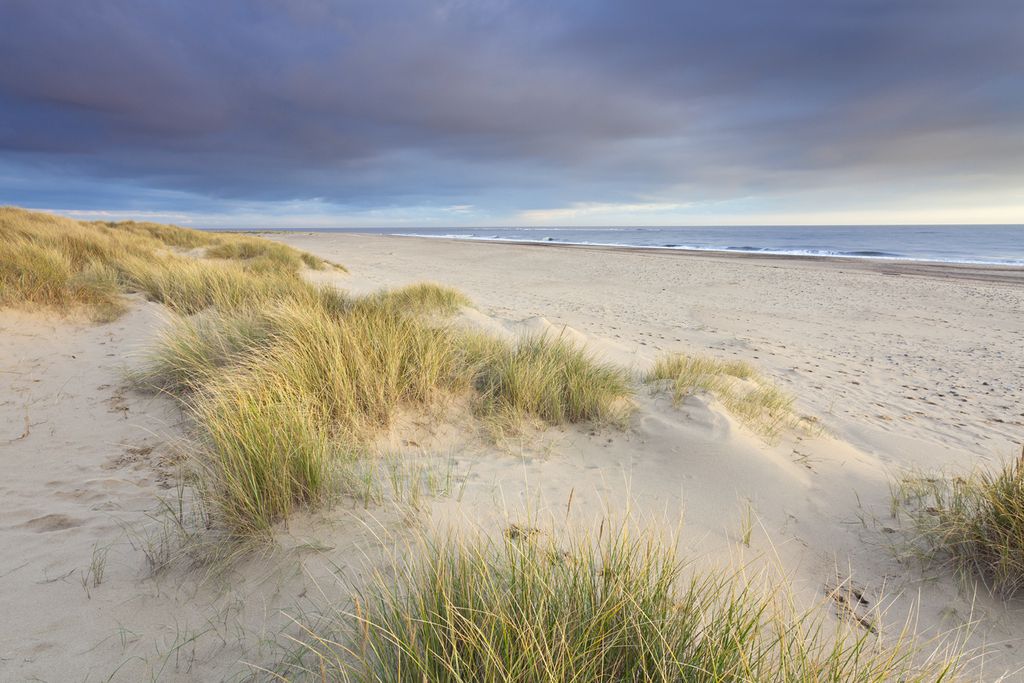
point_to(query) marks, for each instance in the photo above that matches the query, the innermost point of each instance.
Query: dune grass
(283, 394)
(188, 286)
(974, 523)
(33, 276)
(169, 235)
(282, 421)
(189, 352)
(264, 253)
(423, 298)
(57, 263)
(244, 372)
(621, 607)
(549, 378)
(748, 395)
(265, 451)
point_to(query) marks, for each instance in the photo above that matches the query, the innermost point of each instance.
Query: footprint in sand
(47, 523)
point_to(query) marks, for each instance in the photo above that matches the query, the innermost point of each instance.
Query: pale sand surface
(907, 370)
(916, 369)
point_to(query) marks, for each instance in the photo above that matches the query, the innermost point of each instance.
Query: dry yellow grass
(417, 299)
(741, 389)
(57, 263)
(266, 254)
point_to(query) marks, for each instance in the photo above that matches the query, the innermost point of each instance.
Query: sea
(977, 244)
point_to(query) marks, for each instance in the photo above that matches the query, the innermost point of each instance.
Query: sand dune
(901, 371)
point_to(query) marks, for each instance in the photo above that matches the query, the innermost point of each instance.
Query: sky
(324, 113)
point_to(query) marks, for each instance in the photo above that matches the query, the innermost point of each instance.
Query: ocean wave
(867, 254)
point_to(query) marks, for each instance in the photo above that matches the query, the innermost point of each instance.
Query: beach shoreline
(871, 328)
(980, 272)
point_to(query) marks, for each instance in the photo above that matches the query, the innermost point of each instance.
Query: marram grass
(169, 235)
(57, 263)
(550, 378)
(975, 523)
(418, 299)
(743, 391)
(192, 350)
(247, 373)
(266, 450)
(268, 255)
(619, 607)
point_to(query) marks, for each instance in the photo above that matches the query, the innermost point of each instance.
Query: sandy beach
(896, 368)
(917, 363)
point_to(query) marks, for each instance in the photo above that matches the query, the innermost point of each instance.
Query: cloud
(588, 210)
(417, 106)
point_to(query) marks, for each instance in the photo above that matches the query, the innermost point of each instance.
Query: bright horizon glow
(568, 218)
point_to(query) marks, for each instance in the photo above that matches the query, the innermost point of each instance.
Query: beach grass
(423, 298)
(618, 606)
(248, 373)
(191, 350)
(263, 253)
(168, 235)
(975, 523)
(264, 451)
(61, 264)
(283, 396)
(549, 378)
(743, 391)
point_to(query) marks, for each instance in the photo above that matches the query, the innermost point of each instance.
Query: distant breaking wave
(869, 254)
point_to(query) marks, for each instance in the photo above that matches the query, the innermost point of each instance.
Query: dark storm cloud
(516, 103)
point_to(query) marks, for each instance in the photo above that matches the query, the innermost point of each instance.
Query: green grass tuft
(549, 378)
(191, 351)
(266, 450)
(188, 286)
(316, 373)
(619, 608)
(976, 523)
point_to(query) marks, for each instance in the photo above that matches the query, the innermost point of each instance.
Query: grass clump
(266, 450)
(549, 378)
(759, 404)
(188, 286)
(52, 262)
(263, 253)
(250, 374)
(362, 366)
(56, 263)
(421, 298)
(297, 386)
(191, 351)
(975, 523)
(619, 608)
(168, 235)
